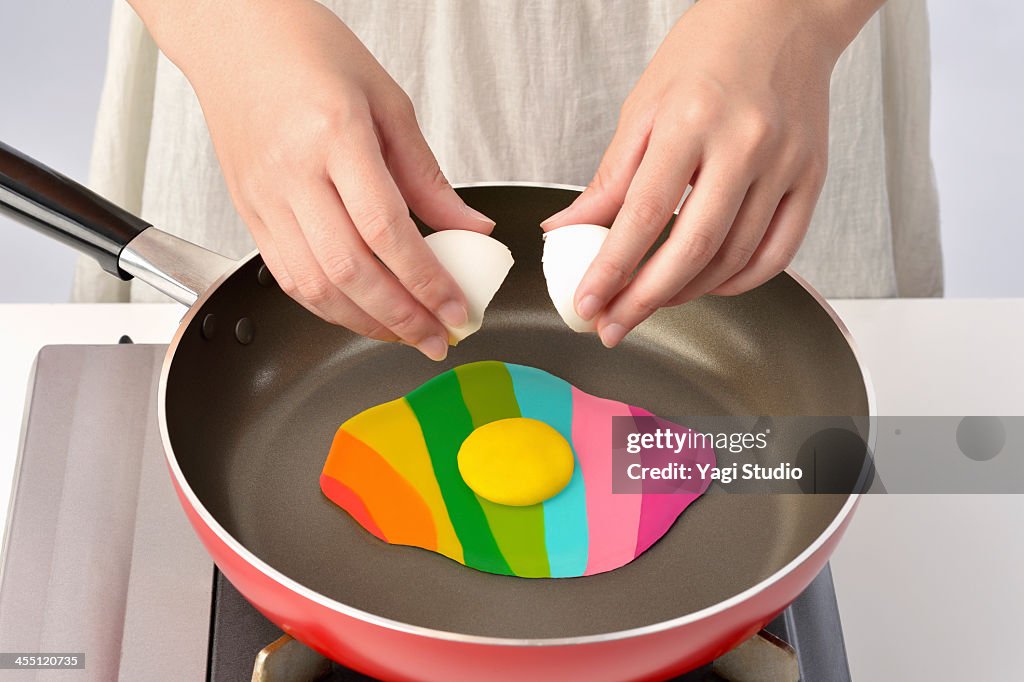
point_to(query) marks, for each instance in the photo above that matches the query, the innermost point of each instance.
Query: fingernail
(453, 314)
(434, 347)
(588, 307)
(612, 334)
(476, 215)
(555, 217)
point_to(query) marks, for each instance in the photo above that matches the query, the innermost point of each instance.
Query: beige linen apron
(530, 90)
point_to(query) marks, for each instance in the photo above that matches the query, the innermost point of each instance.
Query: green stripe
(519, 532)
(488, 394)
(487, 391)
(446, 423)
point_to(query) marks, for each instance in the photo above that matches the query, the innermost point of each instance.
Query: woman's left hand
(734, 103)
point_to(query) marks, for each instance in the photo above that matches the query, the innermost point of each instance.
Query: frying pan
(253, 388)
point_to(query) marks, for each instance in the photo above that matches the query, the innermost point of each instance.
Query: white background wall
(52, 54)
(53, 51)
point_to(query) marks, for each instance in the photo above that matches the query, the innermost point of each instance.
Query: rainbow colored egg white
(394, 468)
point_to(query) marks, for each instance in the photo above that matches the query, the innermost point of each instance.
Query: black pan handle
(61, 208)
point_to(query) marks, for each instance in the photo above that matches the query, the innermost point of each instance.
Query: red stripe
(346, 498)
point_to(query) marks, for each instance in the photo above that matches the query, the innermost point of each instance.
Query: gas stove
(99, 559)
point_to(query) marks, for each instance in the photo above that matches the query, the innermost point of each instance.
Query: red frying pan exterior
(391, 651)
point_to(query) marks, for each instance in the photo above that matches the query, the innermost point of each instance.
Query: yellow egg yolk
(516, 461)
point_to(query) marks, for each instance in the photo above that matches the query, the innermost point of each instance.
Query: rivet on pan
(209, 327)
(244, 331)
(264, 277)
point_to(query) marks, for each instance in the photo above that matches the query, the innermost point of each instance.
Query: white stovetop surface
(930, 587)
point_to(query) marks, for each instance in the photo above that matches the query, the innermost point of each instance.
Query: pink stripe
(612, 519)
(659, 510)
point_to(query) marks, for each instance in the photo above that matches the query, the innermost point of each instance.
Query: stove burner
(762, 658)
(289, 660)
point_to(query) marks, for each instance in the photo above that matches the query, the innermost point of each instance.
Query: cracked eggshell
(478, 264)
(568, 252)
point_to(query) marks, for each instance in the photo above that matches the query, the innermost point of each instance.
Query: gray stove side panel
(99, 558)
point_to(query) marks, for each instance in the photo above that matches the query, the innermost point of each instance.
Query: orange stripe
(400, 513)
(341, 495)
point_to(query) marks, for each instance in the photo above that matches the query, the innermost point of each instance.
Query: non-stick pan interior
(251, 424)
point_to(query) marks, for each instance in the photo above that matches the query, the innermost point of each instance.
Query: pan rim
(298, 588)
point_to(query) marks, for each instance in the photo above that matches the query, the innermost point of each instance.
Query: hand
(734, 103)
(321, 151)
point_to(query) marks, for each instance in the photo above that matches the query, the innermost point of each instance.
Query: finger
(420, 180)
(376, 208)
(742, 240)
(653, 195)
(780, 244)
(297, 273)
(696, 237)
(351, 269)
(601, 201)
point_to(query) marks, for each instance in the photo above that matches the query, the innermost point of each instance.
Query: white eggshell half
(478, 264)
(568, 252)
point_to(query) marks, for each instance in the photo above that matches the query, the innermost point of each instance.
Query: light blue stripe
(547, 398)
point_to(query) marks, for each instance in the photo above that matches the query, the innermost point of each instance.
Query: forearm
(834, 23)
(841, 20)
(181, 25)
(845, 17)
(194, 32)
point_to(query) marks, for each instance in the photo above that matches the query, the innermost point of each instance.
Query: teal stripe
(547, 398)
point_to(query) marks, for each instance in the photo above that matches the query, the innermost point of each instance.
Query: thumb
(421, 182)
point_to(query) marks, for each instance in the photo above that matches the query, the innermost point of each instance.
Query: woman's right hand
(323, 158)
